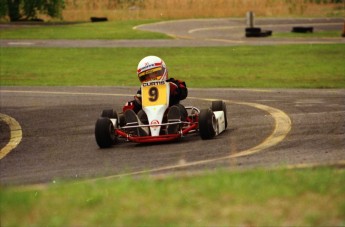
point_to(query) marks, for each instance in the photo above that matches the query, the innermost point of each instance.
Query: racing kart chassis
(209, 122)
(189, 126)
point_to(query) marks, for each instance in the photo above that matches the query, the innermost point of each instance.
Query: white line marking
(64, 93)
(21, 43)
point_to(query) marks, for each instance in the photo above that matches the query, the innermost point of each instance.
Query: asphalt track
(202, 32)
(47, 133)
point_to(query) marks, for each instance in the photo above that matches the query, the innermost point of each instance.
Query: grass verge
(317, 34)
(309, 197)
(287, 66)
(104, 30)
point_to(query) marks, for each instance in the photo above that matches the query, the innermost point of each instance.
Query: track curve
(203, 32)
(58, 122)
(58, 140)
(14, 134)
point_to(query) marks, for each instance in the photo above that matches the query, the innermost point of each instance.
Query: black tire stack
(98, 19)
(300, 29)
(257, 32)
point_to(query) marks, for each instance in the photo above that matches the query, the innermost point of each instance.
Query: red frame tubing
(155, 139)
(192, 127)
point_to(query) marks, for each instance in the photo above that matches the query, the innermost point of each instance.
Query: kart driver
(154, 68)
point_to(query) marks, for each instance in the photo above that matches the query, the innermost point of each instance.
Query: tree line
(18, 10)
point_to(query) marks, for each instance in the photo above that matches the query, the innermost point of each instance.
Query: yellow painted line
(15, 134)
(213, 28)
(231, 41)
(282, 127)
(181, 37)
(15, 128)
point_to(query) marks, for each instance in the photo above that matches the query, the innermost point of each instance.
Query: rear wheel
(220, 106)
(105, 133)
(207, 124)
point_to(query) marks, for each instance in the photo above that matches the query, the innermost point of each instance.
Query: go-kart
(112, 126)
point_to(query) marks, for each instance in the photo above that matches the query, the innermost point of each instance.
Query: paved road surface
(267, 128)
(203, 32)
(58, 133)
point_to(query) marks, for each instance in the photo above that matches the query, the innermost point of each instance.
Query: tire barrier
(302, 29)
(257, 32)
(98, 19)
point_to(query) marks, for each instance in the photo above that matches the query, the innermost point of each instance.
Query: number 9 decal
(153, 94)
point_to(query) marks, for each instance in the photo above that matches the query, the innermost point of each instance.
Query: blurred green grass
(315, 34)
(308, 197)
(286, 66)
(101, 30)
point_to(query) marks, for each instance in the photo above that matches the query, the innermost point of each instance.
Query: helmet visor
(151, 74)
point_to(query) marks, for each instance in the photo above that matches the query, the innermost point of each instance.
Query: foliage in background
(29, 9)
(81, 10)
(177, 9)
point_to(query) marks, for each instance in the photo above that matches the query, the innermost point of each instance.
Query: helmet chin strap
(165, 75)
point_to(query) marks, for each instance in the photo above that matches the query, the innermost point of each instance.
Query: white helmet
(152, 68)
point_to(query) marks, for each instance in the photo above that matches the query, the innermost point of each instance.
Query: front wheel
(220, 106)
(207, 124)
(109, 113)
(105, 133)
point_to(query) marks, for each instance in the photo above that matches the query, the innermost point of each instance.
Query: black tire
(98, 19)
(122, 120)
(183, 111)
(109, 113)
(302, 29)
(105, 133)
(253, 30)
(220, 106)
(143, 117)
(257, 32)
(207, 124)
